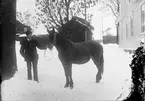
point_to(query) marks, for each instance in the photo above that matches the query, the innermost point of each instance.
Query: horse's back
(89, 44)
(92, 46)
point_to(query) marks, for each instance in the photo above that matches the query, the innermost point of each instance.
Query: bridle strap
(54, 40)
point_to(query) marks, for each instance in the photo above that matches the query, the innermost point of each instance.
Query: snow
(116, 79)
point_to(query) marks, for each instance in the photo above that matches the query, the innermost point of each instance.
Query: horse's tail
(102, 63)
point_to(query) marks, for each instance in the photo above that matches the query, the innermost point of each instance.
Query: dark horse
(77, 53)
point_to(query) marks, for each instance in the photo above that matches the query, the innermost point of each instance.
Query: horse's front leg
(66, 74)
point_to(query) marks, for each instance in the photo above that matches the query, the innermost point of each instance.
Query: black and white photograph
(72, 50)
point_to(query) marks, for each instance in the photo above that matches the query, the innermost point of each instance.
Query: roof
(20, 27)
(75, 26)
(83, 22)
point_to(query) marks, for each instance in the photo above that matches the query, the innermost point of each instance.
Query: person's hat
(28, 32)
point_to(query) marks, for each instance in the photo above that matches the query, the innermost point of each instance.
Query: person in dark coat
(29, 52)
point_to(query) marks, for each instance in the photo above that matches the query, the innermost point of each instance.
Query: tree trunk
(8, 64)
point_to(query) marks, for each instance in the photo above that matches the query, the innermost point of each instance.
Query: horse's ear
(48, 31)
(53, 29)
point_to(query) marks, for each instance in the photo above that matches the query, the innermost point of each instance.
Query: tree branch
(116, 15)
(59, 13)
(55, 13)
(67, 4)
(50, 13)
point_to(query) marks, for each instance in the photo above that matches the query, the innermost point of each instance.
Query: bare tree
(27, 18)
(110, 5)
(58, 12)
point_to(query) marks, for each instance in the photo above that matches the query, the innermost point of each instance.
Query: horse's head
(51, 35)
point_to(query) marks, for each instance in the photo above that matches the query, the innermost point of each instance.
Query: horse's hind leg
(67, 79)
(98, 64)
(70, 76)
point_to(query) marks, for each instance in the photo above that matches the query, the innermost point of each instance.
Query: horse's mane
(63, 41)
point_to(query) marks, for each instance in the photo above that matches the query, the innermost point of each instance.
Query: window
(143, 18)
(121, 31)
(127, 30)
(131, 25)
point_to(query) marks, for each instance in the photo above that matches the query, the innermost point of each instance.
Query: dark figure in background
(29, 52)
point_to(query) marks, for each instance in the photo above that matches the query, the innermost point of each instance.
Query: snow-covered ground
(116, 79)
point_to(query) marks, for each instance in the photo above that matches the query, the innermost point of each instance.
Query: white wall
(130, 10)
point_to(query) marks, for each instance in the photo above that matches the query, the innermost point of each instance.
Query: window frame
(143, 18)
(131, 26)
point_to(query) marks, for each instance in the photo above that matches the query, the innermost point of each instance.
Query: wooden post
(117, 27)
(8, 63)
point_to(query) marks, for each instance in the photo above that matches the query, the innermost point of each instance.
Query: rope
(47, 56)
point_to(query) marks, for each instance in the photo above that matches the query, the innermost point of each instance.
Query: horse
(77, 53)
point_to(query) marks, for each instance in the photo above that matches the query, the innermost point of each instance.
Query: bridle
(46, 56)
(47, 50)
(54, 38)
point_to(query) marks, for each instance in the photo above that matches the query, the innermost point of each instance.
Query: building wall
(130, 23)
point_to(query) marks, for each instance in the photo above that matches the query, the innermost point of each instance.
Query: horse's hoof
(97, 81)
(71, 87)
(66, 85)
